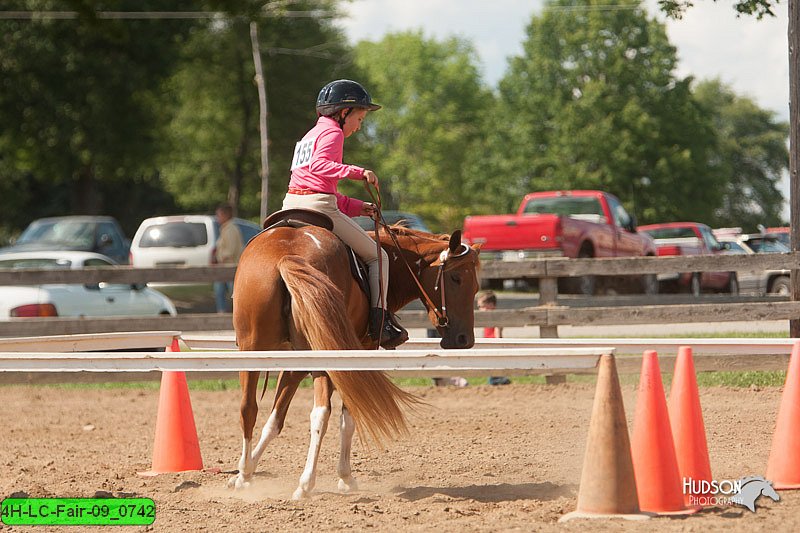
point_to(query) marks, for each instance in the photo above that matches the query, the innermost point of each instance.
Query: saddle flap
(298, 217)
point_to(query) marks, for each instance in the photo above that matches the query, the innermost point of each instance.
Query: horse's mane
(426, 245)
(745, 480)
(399, 229)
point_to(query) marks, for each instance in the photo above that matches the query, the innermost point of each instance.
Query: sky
(749, 55)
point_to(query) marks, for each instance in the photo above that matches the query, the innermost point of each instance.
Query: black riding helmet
(343, 94)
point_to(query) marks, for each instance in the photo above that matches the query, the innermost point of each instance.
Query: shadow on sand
(504, 492)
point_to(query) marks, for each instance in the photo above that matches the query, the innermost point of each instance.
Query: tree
(593, 103)
(420, 143)
(751, 152)
(760, 8)
(213, 151)
(81, 104)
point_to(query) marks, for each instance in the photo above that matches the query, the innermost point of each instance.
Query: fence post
(548, 292)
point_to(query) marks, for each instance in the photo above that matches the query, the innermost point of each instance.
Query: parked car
(783, 233)
(576, 224)
(99, 234)
(763, 243)
(690, 238)
(94, 299)
(760, 281)
(409, 220)
(181, 240)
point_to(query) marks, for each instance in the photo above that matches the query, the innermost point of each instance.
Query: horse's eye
(456, 278)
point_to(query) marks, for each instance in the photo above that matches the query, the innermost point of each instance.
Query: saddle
(299, 218)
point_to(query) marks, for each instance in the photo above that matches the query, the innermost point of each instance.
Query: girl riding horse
(316, 170)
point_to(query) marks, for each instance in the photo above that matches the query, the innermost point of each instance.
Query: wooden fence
(548, 314)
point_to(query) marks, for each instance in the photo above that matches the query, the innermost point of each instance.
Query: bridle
(441, 310)
(441, 317)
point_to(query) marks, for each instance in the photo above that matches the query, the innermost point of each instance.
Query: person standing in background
(228, 249)
(487, 301)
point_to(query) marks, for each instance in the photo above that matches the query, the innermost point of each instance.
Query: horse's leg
(323, 389)
(347, 482)
(248, 412)
(286, 387)
(284, 392)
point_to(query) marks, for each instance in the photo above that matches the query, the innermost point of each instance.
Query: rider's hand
(371, 178)
(369, 210)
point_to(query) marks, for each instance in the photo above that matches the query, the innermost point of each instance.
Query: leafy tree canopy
(213, 151)
(593, 102)
(751, 153)
(759, 8)
(80, 101)
(419, 143)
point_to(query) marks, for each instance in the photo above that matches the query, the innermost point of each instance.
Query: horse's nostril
(462, 341)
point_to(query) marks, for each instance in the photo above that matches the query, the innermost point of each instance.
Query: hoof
(348, 485)
(238, 482)
(301, 494)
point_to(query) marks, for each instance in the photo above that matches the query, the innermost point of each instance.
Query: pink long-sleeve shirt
(317, 164)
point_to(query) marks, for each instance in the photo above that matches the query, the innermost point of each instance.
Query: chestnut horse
(294, 290)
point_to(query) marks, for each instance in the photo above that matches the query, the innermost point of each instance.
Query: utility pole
(794, 149)
(262, 102)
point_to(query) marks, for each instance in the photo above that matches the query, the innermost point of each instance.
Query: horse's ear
(455, 241)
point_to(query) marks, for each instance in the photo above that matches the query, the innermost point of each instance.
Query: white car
(758, 281)
(181, 240)
(98, 299)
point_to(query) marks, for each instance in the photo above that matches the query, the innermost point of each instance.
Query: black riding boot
(392, 334)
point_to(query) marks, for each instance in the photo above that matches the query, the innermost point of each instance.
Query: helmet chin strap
(343, 117)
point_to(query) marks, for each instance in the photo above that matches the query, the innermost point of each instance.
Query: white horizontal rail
(700, 346)
(206, 341)
(132, 340)
(394, 360)
(665, 346)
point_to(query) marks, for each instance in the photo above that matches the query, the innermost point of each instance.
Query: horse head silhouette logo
(752, 488)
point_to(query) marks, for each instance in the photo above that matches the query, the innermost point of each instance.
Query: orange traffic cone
(608, 487)
(783, 467)
(688, 430)
(658, 482)
(176, 447)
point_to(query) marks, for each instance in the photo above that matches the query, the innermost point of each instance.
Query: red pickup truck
(690, 238)
(569, 224)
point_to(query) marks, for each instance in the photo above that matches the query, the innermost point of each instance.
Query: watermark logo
(744, 491)
(751, 489)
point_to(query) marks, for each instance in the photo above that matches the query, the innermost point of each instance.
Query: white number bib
(303, 151)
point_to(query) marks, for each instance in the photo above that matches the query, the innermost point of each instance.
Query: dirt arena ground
(479, 459)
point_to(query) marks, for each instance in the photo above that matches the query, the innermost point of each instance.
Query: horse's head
(441, 272)
(753, 487)
(768, 490)
(452, 282)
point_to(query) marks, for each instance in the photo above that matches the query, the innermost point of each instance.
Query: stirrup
(392, 334)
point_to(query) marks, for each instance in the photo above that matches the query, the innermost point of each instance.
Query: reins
(441, 315)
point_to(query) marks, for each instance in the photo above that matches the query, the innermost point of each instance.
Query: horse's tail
(318, 312)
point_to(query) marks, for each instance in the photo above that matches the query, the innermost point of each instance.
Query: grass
(744, 379)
